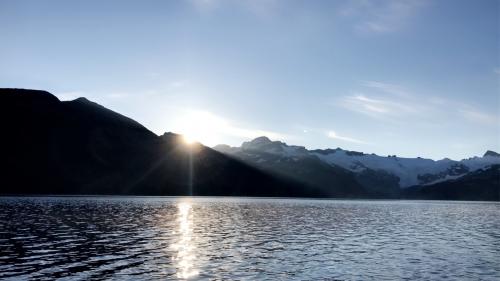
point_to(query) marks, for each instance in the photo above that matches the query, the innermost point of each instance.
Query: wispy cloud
(334, 135)
(480, 116)
(394, 103)
(497, 70)
(387, 88)
(378, 107)
(380, 99)
(382, 16)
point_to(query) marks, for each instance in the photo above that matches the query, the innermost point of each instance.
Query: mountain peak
(261, 140)
(82, 99)
(491, 153)
(264, 144)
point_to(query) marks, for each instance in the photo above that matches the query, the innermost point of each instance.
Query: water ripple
(141, 238)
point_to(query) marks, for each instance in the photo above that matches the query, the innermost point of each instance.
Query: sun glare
(188, 139)
(185, 247)
(201, 126)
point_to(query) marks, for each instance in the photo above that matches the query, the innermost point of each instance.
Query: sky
(400, 77)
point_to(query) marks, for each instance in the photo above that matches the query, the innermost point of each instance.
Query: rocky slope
(482, 184)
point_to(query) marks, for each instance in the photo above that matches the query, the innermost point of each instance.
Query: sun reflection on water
(184, 247)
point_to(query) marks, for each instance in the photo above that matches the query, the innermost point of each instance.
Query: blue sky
(411, 78)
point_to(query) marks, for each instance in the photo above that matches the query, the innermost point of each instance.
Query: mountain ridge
(409, 171)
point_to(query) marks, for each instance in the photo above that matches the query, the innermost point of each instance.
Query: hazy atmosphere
(412, 78)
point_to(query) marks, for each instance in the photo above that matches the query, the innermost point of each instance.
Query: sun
(200, 126)
(188, 139)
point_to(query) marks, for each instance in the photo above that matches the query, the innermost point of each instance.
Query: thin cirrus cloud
(391, 102)
(382, 16)
(387, 88)
(479, 117)
(377, 106)
(382, 100)
(334, 135)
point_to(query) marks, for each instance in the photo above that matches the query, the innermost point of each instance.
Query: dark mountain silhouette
(80, 147)
(483, 184)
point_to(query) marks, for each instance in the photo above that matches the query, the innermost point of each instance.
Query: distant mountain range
(79, 147)
(380, 176)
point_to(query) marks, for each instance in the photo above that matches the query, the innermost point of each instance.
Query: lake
(247, 238)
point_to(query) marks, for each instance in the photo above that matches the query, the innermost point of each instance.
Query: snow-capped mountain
(410, 171)
(299, 164)
(407, 171)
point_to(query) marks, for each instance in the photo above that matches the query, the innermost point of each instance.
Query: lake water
(243, 238)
